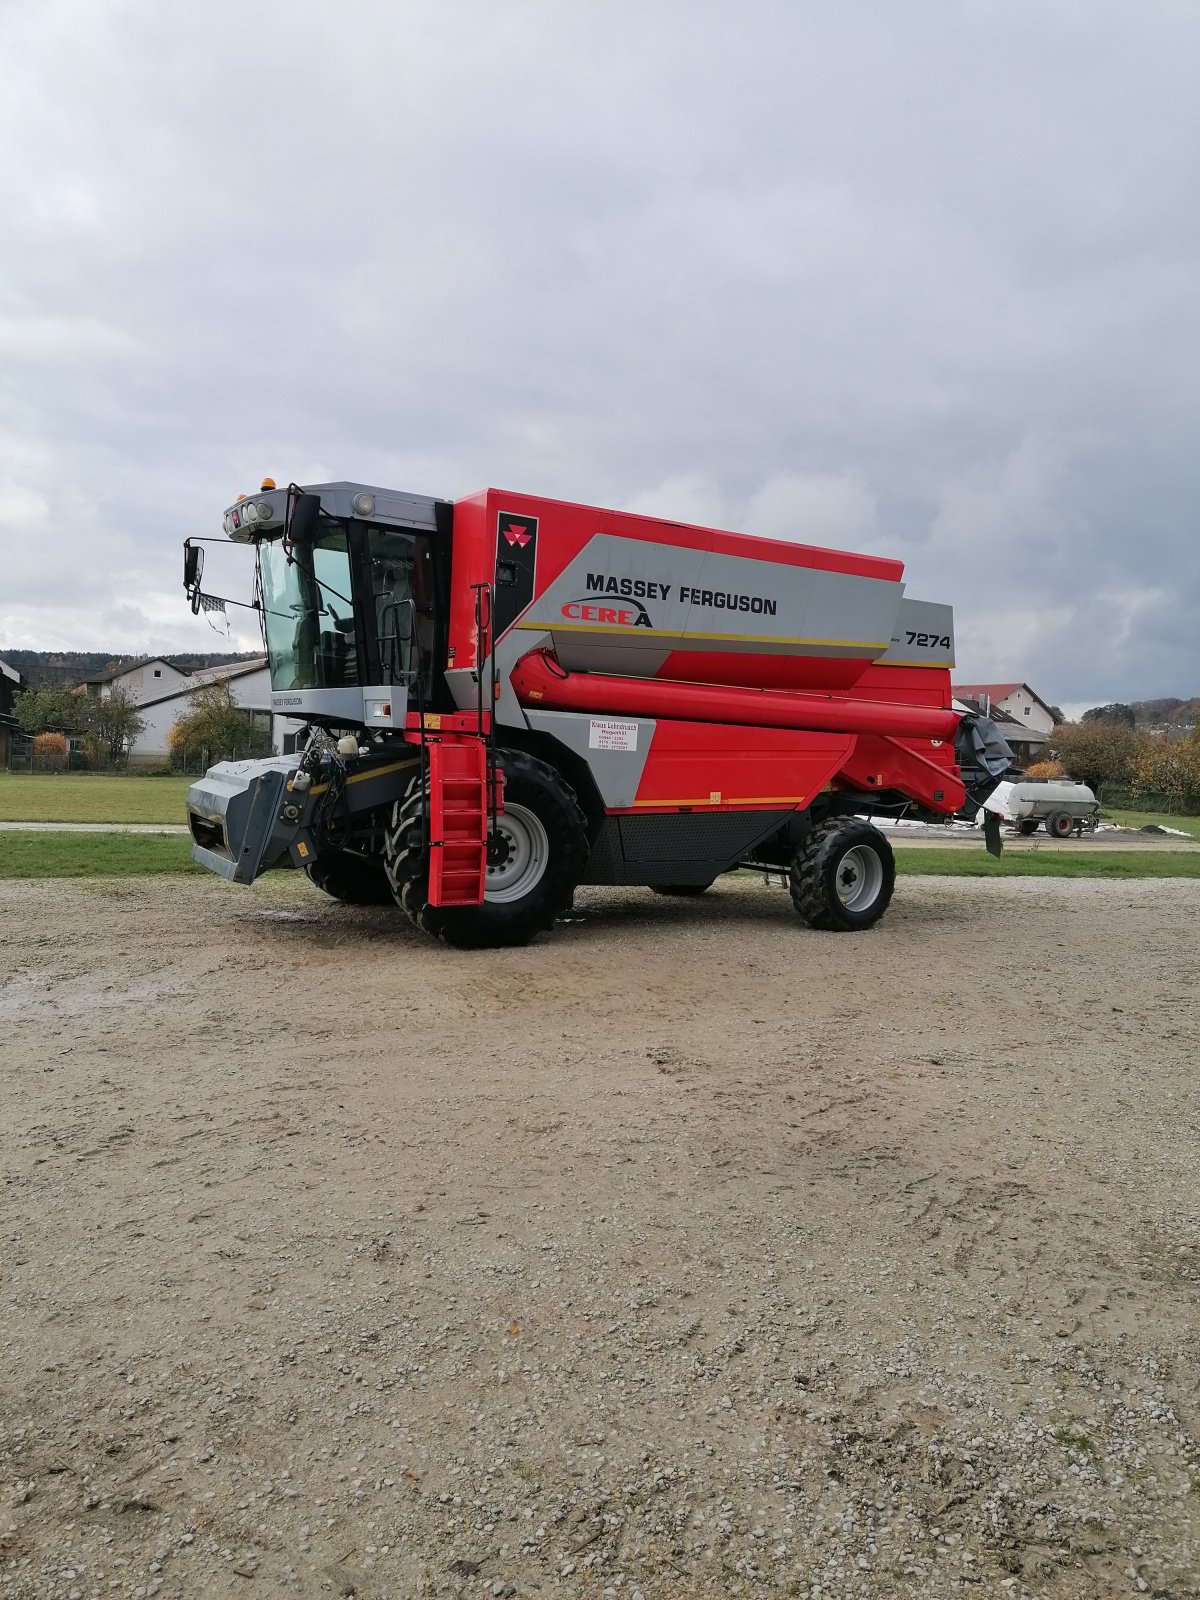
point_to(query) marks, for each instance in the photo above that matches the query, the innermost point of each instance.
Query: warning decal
(608, 734)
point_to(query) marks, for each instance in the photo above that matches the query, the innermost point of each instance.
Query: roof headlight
(364, 504)
(228, 522)
(265, 513)
(249, 512)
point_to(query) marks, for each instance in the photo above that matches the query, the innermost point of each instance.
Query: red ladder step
(458, 822)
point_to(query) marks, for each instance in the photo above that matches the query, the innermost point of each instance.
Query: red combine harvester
(506, 697)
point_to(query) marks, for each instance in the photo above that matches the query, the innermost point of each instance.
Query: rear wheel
(535, 857)
(1059, 824)
(685, 891)
(353, 879)
(842, 876)
(1028, 825)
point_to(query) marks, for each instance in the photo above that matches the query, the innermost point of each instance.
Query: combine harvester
(508, 697)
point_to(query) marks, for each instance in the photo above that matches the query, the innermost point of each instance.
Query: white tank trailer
(1060, 807)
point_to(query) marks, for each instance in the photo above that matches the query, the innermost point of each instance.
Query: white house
(249, 684)
(144, 680)
(1024, 719)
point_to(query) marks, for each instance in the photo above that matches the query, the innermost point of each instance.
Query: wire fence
(1120, 797)
(21, 758)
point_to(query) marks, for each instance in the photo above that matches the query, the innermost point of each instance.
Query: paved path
(92, 827)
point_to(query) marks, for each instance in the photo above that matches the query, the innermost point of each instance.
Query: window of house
(1026, 710)
(158, 672)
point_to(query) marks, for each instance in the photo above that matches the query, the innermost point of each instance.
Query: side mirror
(193, 565)
(303, 512)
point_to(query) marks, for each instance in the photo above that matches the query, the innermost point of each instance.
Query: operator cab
(352, 593)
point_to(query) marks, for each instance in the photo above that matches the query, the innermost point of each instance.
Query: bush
(1045, 769)
(50, 752)
(1097, 752)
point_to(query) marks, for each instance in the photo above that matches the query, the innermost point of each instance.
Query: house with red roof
(1024, 719)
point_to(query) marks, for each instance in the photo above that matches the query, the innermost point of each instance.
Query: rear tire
(842, 876)
(1060, 824)
(536, 856)
(684, 891)
(355, 880)
(1028, 825)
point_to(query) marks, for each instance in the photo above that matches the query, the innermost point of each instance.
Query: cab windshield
(307, 611)
(309, 619)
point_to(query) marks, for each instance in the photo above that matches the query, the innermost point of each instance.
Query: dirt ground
(687, 1252)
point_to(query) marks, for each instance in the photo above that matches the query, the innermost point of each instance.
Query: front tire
(842, 876)
(353, 879)
(536, 856)
(1060, 824)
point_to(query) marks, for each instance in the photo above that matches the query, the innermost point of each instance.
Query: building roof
(998, 691)
(203, 679)
(10, 672)
(131, 666)
(994, 691)
(231, 669)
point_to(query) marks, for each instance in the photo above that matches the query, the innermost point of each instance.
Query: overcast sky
(914, 278)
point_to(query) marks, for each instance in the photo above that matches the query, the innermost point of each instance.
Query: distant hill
(58, 667)
(1166, 713)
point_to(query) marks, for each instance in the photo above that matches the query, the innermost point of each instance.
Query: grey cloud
(915, 279)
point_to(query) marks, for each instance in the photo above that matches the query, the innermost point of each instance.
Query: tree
(1116, 712)
(1058, 714)
(115, 724)
(216, 729)
(1097, 751)
(110, 725)
(50, 710)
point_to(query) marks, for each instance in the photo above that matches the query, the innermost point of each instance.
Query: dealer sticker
(608, 734)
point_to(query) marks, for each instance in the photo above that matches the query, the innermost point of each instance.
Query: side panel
(731, 580)
(711, 766)
(689, 847)
(646, 609)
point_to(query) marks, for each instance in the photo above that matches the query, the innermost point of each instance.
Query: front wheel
(842, 876)
(535, 857)
(355, 880)
(1060, 824)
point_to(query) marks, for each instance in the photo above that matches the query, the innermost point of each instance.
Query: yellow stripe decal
(375, 772)
(941, 666)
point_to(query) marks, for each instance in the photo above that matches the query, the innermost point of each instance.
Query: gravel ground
(685, 1253)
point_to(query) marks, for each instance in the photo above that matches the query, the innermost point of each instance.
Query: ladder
(458, 821)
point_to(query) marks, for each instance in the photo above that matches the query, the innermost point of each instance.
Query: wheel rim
(859, 879)
(518, 853)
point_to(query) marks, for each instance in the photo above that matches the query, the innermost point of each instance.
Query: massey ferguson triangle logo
(517, 531)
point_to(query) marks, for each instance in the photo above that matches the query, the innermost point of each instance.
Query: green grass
(91, 797)
(1139, 819)
(93, 855)
(963, 863)
(96, 855)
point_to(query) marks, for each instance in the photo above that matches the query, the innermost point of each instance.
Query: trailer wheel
(1060, 824)
(842, 876)
(355, 880)
(685, 891)
(536, 856)
(1028, 825)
